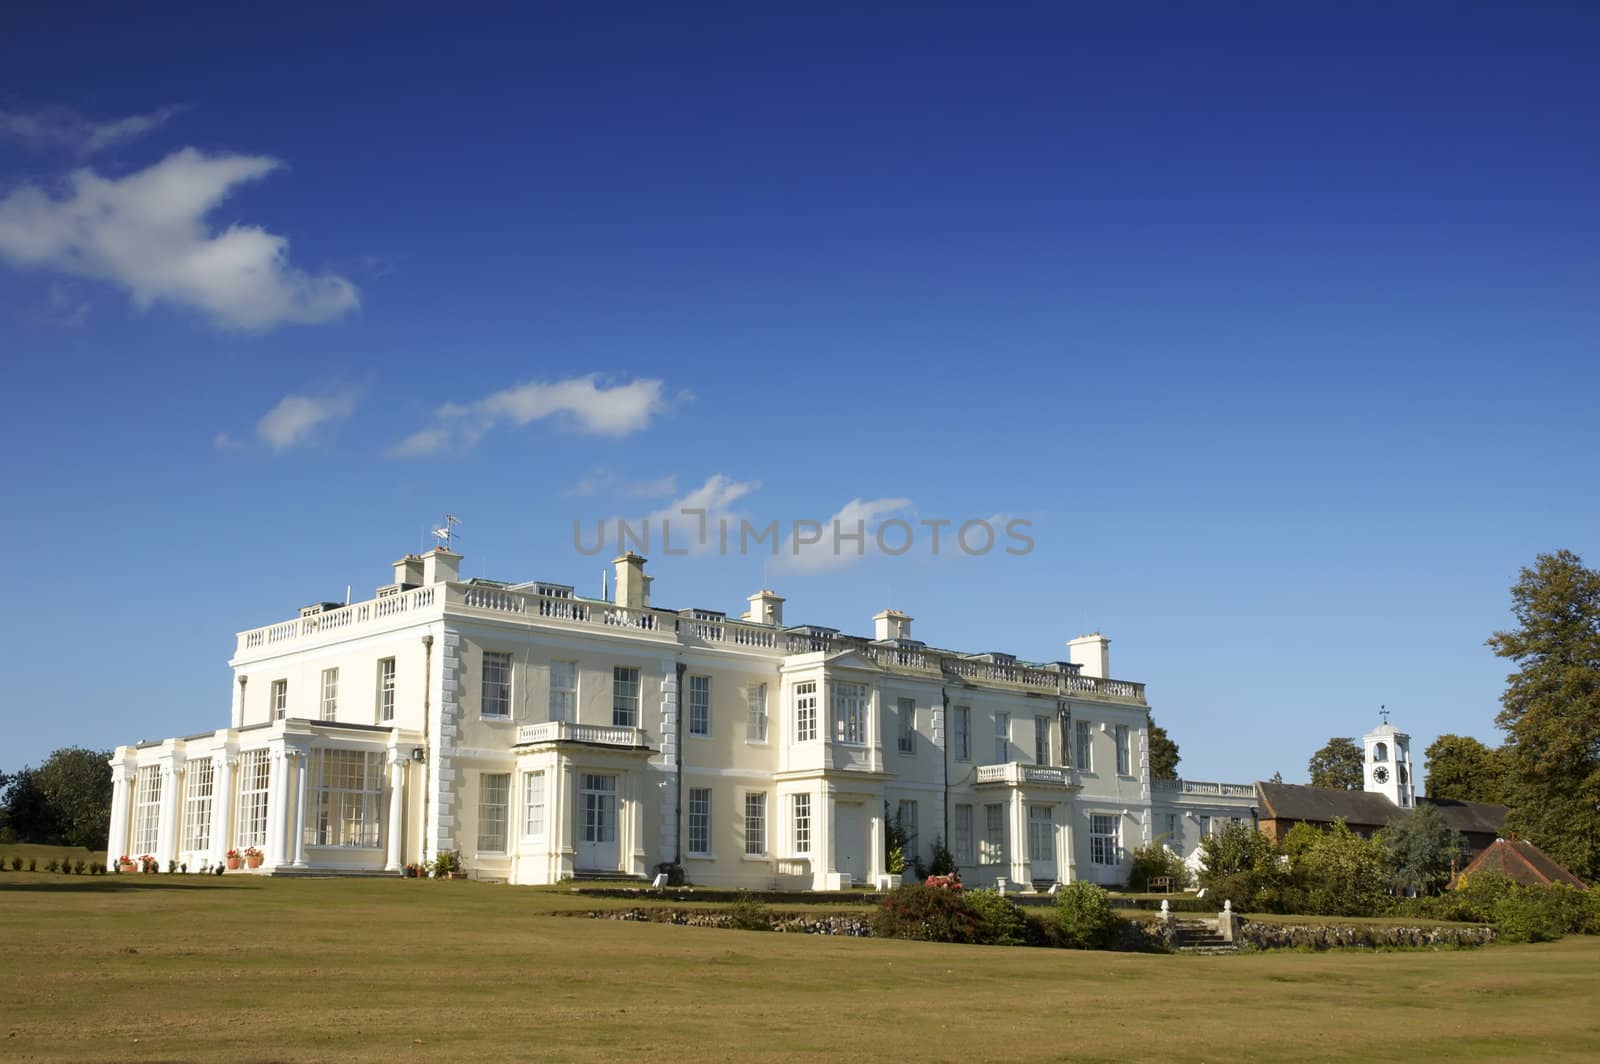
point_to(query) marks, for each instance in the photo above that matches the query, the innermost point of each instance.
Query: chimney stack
(440, 565)
(1092, 653)
(408, 571)
(632, 586)
(766, 607)
(891, 624)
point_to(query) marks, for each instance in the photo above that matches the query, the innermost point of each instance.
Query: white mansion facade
(545, 735)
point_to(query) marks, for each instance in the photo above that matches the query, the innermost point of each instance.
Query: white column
(221, 806)
(877, 865)
(397, 807)
(297, 844)
(278, 806)
(117, 839)
(822, 826)
(167, 824)
(1021, 873)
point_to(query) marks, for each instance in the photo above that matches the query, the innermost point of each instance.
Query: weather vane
(447, 532)
(1383, 711)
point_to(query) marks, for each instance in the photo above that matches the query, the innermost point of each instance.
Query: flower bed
(850, 924)
(1274, 935)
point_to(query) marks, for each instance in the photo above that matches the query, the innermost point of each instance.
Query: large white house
(545, 735)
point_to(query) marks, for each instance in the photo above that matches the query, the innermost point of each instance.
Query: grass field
(246, 968)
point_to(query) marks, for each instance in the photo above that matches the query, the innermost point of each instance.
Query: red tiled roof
(1522, 861)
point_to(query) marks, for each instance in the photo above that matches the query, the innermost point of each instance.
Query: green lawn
(246, 968)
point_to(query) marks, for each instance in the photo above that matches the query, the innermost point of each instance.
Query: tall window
(625, 697)
(344, 794)
(1002, 737)
(993, 849)
(1104, 838)
(197, 807)
(147, 810)
(849, 713)
(699, 705)
(1041, 833)
(496, 684)
(1124, 754)
(755, 824)
(280, 699)
(254, 773)
(805, 711)
(1082, 752)
(533, 805)
(330, 693)
(385, 690)
(1172, 829)
(699, 821)
(494, 804)
(802, 823)
(908, 824)
(963, 834)
(1041, 740)
(755, 728)
(908, 725)
(963, 733)
(564, 690)
(1205, 826)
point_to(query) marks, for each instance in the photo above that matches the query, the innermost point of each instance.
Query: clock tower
(1387, 767)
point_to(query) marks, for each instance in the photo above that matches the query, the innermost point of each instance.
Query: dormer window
(1380, 752)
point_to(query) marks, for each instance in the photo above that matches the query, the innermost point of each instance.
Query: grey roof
(1297, 801)
(1480, 818)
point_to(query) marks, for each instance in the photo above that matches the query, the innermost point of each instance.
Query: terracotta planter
(127, 867)
(235, 863)
(458, 875)
(253, 862)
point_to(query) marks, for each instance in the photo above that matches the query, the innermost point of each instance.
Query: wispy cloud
(849, 536)
(147, 233)
(296, 417)
(585, 405)
(608, 482)
(697, 518)
(63, 129)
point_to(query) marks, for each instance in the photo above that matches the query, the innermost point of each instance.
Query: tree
(1420, 850)
(1277, 777)
(1163, 752)
(1462, 768)
(76, 784)
(1343, 874)
(1338, 765)
(27, 815)
(1551, 710)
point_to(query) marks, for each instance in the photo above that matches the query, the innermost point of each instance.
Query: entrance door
(849, 847)
(597, 831)
(1042, 842)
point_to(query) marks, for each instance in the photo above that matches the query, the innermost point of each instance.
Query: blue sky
(1278, 326)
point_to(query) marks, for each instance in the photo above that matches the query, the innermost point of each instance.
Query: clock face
(1380, 774)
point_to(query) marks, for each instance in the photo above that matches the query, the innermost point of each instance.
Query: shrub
(82, 867)
(930, 914)
(33, 864)
(1000, 921)
(944, 862)
(1156, 860)
(445, 862)
(1344, 874)
(1528, 914)
(16, 864)
(1085, 918)
(749, 914)
(53, 866)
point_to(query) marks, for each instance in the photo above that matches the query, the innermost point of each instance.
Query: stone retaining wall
(1262, 935)
(851, 924)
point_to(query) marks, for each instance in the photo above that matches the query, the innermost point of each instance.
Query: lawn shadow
(117, 884)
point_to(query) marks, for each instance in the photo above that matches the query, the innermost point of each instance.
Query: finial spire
(1383, 711)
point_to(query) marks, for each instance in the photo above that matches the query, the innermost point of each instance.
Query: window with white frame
(699, 821)
(992, 849)
(1105, 838)
(1205, 826)
(280, 699)
(254, 776)
(564, 690)
(147, 810)
(1002, 737)
(1172, 830)
(344, 792)
(1041, 833)
(907, 815)
(625, 697)
(802, 823)
(330, 694)
(496, 700)
(494, 806)
(533, 805)
(849, 713)
(1041, 740)
(1082, 751)
(908, 725)
(700, 705)
(755, 823)
(805, 711)
(755, 727)
(197, 807)
(1124, 753)
(962, 830)
(963, 733)
(385, 690)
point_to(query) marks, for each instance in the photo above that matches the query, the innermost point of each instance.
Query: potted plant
(235, 860)
(125, 864)
(447, 865)
(252, 857)
(150, 865)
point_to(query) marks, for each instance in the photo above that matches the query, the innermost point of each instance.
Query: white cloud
(607, 482)
(147, 233)
(715, 498)
(224, 441)
(585, 404)
(833, 545)
(65, 129)
(292, 421)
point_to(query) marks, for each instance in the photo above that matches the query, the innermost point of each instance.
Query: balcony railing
(560, 731)
(1221, 790)
(1015, 773)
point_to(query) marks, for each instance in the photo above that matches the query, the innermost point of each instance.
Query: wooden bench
(1160, 885)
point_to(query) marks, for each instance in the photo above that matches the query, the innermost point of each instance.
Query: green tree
(1338, 765)
(1551, 710)
(1164, 756)
(77, 785)
(26, 813)
(1420, 850)
(1343, 874)
(1462, 768)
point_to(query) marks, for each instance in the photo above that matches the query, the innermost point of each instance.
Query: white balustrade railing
(1204, 787)
(1015, 772)
(560, 731)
